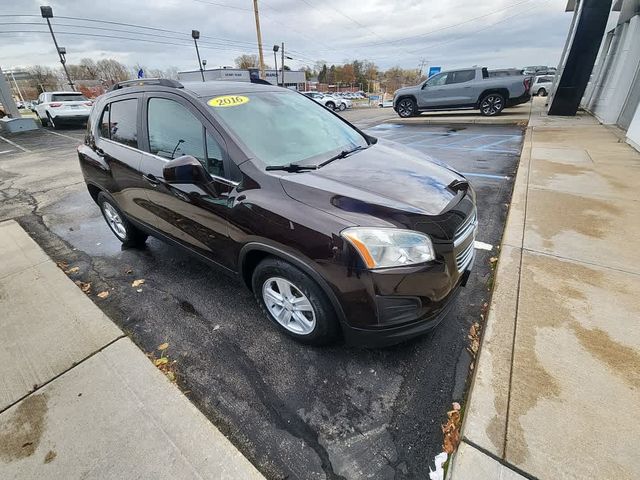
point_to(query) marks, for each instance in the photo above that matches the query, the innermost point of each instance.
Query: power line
(188, 44)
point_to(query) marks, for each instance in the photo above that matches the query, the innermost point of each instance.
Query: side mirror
(185, 169)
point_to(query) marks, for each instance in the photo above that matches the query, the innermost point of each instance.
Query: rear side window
(461, 76)
(119, 122)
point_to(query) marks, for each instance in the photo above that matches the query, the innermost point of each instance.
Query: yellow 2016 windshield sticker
(228, 101)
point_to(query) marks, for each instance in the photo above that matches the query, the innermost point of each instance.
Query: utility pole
(261, 56)
(282, 63)
(275, 60)
(17, 86)
(195, 34)
(47, 13)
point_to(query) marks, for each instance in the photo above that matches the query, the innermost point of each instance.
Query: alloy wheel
(405, 108)
(114, 220)
(289, 306)
(491, 105)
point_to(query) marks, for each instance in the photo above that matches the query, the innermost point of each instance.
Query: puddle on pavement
(77, 220)
(22, 428)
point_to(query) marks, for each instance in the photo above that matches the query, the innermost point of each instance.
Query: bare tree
(43, 78)
(247, 61)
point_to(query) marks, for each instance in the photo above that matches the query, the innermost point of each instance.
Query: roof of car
(65, 92)
(222, 87)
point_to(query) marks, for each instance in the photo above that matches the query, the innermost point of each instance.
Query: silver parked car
(471, 88)
(542, 85)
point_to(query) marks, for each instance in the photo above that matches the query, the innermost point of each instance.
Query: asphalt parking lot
(295, 411)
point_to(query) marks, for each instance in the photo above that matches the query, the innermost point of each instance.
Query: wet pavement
(295, 411)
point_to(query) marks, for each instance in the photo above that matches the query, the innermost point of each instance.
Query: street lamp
(204, 65)
(275, 60)
(47, 13)
(195, 34)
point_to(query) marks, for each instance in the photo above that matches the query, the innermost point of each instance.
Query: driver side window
(437, 80)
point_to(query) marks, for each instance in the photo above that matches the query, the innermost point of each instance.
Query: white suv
(326, 100)
(541, 85)
(54, 108)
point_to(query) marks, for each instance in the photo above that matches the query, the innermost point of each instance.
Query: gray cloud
(389, 32)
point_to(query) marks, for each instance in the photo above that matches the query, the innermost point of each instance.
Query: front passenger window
(437, 80)
(173, 130)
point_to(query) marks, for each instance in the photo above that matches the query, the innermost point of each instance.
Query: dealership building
(600, 65)
(292, 78)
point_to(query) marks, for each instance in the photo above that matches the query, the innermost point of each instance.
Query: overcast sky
(446, 33)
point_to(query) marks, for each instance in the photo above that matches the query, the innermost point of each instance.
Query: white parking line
(14, 144)
(6, 151)
(63, 135)
(483, 246)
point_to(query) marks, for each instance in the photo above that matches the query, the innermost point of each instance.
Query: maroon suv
(336, 233)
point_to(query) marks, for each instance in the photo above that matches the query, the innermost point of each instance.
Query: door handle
(151, 179)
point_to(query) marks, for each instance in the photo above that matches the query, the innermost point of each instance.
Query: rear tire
(284, 293)
(407, 107)
(44, 122)
(51, 122)
(342, 107)
(124, 231)
(331, 105)
(542, 92)
(491, 104)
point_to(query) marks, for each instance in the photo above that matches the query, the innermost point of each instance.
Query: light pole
(204, 65)
(275, 60)
(47, 13)
(195, 34)
(259, 35)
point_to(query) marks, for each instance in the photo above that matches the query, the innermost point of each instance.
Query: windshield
(68, 97)
(285, 127)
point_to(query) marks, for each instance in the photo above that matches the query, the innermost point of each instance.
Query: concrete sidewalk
(557, 384)
(77, 398)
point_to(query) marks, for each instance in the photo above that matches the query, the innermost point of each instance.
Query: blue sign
(434, 70)
(140, 73)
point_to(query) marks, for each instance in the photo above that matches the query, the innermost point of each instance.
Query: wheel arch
(252, 253)
(502, 91)
(407, 95)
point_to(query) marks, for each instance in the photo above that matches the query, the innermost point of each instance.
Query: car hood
(384, 185)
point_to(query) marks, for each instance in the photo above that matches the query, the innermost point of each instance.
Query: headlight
(389, 247)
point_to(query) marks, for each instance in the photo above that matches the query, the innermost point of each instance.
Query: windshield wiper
(292, 167)
(342, 154)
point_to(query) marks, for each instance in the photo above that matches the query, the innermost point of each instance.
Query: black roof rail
(164, 82)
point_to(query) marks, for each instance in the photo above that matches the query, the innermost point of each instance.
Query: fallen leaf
(163, 346)
(456, 405)
(84, 286)
(73, 270)
(49, 456)
(161, 361)
(137, 283)
(451, 431)
(104, 294)
(139, 290)
(62, 265)
(171, 376)
(493, 259)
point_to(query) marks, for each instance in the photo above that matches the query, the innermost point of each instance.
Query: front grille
(463, 258)
(466, 230)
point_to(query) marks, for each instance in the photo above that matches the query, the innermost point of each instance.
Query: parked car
(344, 103)
(471, 88)
(334, 231)
(541, 85)
(323, 99)
(55, 108)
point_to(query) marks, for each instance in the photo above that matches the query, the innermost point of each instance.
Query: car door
(194, 215)
(460, 88)
(117, 144)
(432, 91)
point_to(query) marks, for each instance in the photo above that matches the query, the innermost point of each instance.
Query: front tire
(407, 107)
(342, 107)
(491, 104)
(129, 235)
(542, 92)
(42, 121)
(331, 105)
(294, 302)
